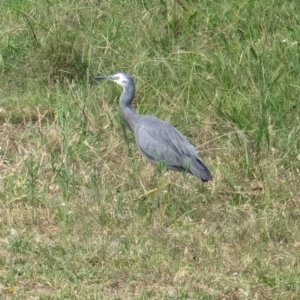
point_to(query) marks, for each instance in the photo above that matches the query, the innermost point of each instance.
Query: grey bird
(158, 140)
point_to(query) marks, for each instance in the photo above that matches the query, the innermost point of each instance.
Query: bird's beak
(101, 77)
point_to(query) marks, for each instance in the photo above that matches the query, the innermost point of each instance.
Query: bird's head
(123, 79)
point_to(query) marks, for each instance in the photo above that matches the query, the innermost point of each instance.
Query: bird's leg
(167, 184)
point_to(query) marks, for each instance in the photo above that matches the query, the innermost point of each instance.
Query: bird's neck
(128, 112)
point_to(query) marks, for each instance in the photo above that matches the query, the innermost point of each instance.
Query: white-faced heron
(158, 141)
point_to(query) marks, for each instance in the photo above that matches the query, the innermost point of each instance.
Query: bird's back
(161, 142)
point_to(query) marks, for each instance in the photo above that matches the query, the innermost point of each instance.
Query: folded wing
(161, 142)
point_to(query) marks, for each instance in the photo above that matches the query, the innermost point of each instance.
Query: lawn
(73, 224)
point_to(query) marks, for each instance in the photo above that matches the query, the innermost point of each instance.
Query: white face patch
(120, 79)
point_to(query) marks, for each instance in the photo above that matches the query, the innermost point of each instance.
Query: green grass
(226, 73)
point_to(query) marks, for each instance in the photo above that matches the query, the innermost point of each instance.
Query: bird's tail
(199, 169)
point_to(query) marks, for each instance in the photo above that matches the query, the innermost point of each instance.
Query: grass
(226, 73)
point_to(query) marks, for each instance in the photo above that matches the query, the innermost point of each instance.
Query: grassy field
(225, 73)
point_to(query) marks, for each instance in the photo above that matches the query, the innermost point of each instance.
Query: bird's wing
(160, 141)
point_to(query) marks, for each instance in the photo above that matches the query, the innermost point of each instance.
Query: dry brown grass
(68, 224)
